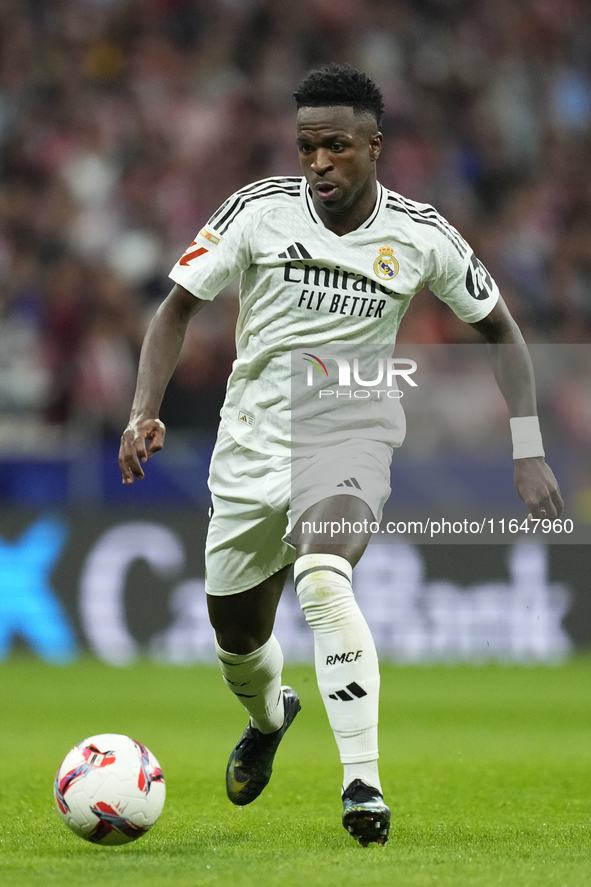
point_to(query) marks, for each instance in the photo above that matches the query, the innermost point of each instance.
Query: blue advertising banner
(124, 584)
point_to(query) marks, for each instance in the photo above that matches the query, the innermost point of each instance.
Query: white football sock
(255, 678)
(346, 660)
(366, 771)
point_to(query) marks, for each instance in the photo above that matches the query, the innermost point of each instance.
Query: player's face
(338, 150)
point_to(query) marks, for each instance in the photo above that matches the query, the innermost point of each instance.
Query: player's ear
(375, 146)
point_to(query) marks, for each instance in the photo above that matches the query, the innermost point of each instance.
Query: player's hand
(133, 450)
(537, 486)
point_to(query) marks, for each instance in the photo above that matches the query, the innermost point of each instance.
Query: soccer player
(330, 257)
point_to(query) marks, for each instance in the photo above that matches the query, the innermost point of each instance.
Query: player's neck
(351, 218)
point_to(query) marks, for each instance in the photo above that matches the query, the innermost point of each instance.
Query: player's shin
(346, 661)
(255, 679)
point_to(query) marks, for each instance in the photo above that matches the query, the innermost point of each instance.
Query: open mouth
(325, 190)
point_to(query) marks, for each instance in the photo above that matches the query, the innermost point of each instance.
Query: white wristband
(527, 437)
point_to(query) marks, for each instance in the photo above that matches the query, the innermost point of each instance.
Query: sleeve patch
(209, 236)
(479, 283)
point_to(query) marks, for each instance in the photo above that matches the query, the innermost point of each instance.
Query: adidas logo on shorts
(350, 482)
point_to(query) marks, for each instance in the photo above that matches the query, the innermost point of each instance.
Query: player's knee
(240, 626)
(237, 640)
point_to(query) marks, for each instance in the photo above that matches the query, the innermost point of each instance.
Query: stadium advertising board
(126, 585)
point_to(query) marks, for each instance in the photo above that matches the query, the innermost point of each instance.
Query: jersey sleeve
(458, 278)
(214, 259)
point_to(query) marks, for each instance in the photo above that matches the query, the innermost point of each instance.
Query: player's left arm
(534, 480)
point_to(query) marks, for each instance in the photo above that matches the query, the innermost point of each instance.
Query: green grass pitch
(487, 770)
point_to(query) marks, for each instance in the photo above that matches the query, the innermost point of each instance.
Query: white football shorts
(257, 498)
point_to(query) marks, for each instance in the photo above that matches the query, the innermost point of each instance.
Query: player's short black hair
(340, 85)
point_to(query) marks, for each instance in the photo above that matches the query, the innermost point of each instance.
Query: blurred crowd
(125, 123)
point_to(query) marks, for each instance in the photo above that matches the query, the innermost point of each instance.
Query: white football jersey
(304, 287)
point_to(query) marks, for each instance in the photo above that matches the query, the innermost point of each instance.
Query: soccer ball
(109, 789)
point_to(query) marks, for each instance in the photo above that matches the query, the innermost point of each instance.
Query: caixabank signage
(125, 584)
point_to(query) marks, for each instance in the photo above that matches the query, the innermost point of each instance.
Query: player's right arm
(214, 258)
(159, 357)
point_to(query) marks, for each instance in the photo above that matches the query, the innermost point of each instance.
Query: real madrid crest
(386, 266)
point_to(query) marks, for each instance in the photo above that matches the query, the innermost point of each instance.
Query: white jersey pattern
(302, 286)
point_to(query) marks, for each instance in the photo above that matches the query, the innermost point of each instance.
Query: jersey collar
(313, 215)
